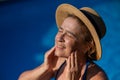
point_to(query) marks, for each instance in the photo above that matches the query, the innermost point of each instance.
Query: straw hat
(90, 18)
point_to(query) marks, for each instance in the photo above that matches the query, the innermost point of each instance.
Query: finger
(51, 51)
(72, 60)
(76, 60)
(69, 74)
(68, 63)
(73, 66)
(49, 54)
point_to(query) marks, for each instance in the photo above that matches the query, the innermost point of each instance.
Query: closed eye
(70, 34)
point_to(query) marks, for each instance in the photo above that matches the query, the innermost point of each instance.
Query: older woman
(77, 44)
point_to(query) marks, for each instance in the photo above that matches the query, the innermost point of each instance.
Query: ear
(90, 48)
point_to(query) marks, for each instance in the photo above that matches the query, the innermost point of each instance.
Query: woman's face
(68, 37)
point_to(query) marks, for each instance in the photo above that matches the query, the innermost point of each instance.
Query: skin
(68, 38)
(69, 47)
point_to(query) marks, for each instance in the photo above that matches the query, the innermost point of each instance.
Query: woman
(76, 46)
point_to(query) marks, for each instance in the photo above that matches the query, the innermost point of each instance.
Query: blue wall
(27, 30)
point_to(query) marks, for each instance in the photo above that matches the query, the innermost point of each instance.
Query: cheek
(70, 44)
(74, 45)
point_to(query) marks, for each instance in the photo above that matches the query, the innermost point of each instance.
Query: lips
(60, 46)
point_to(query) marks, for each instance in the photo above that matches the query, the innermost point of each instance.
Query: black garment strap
(59, 70)
(85, 73)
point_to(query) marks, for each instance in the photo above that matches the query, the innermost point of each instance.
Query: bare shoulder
(95, 72)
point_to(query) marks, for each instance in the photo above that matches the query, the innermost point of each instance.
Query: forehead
(72, 24)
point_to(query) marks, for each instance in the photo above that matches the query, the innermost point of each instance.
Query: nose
(60, 37)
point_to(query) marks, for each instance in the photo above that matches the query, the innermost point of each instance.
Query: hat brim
(64, 10)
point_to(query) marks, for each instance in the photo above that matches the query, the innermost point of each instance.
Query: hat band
(89, 16)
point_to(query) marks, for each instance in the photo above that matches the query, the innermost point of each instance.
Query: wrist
(47, 68)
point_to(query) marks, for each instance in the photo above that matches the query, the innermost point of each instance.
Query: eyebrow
(69, 32)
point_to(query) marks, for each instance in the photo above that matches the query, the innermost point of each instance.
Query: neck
(82, 65)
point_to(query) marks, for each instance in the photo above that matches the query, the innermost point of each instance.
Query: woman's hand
(44, 71)
(73, 68)
(50, 59)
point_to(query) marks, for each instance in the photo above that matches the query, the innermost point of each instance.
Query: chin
(61, 54)
(58, 54)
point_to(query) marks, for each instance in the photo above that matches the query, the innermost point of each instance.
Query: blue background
(28, 28)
